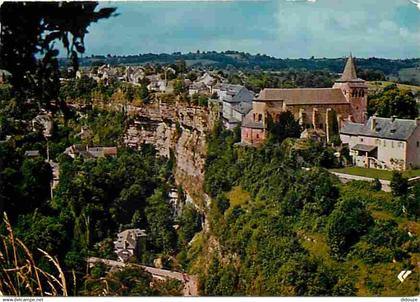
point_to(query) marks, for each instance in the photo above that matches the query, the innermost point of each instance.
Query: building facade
(383, 143)
(236, 102)
(313, 107)
(130, 243)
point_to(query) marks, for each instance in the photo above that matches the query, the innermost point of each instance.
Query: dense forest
(280, 224)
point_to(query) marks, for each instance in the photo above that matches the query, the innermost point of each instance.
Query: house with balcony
(383, 143)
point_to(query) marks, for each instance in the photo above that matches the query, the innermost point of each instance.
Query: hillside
(376, 86)
(234, 59)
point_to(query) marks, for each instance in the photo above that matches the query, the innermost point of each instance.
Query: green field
(376, 86)
(375, 173)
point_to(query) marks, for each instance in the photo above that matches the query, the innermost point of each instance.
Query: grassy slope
(379, 279)
(379, 85)
(375, 173)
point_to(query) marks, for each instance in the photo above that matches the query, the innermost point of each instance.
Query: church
(313, 107)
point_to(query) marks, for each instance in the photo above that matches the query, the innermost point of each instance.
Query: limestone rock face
(178, 129)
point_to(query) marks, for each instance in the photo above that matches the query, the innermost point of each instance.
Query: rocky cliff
(178, 130)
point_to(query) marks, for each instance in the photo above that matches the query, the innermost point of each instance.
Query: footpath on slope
(190, 282)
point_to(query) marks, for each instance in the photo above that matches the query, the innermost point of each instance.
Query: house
(384, 143)
(203, 84)
(197, 88)
(32, 153)
(129, 243)
(87, 152)
(313, 107)
(134, 75)
(156, 83)
(236, 101)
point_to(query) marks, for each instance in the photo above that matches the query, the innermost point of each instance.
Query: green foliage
(47, 232)
(39, 26)
(222, 203)
(382, 243)
(393, 102)
(106, 128)
(160, 226)
(190, 223)
(399, 184)
(376, 185)
(285, 127)
(24, 182)
(349, 220)
(127, 282)
(74, 89)
(179, 87)
(199, 100)
(103, 194)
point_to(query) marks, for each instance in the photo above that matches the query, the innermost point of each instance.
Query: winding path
(190, 282)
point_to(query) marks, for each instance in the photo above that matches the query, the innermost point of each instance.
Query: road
(190, 282)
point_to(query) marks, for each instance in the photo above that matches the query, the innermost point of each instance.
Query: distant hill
(407, 70)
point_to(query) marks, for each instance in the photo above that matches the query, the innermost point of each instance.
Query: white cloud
(416, 2)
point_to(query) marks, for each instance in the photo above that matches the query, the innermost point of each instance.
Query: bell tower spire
(354, 89)
(349, 73)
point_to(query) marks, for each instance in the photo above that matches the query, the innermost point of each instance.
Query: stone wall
(179, 129)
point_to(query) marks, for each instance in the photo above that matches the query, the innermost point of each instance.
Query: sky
(280, 28)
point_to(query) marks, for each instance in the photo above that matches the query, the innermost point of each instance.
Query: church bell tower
(355, 90)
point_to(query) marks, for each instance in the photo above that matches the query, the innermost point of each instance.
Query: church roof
(302, 96)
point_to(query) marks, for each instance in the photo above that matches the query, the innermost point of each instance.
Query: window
(384, 143)
(258, 136)
(392, 144)
(361, 140)
(418, 144)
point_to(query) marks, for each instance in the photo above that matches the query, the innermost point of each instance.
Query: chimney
(418, 121)
(393, 118)
(373, 123)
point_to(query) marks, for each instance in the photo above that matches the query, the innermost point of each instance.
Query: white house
(236, 101)
(384, 143)
(203, 84)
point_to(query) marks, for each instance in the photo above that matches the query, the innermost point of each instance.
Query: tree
(160, 225)
(127, 282)
(190, 223)
(376, 185)
(286, 126)
(393, 101)
(399, 184)
(179, 87)
(349, 220)
(29, 29)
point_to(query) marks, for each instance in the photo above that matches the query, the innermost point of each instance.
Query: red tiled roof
(302, 96)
